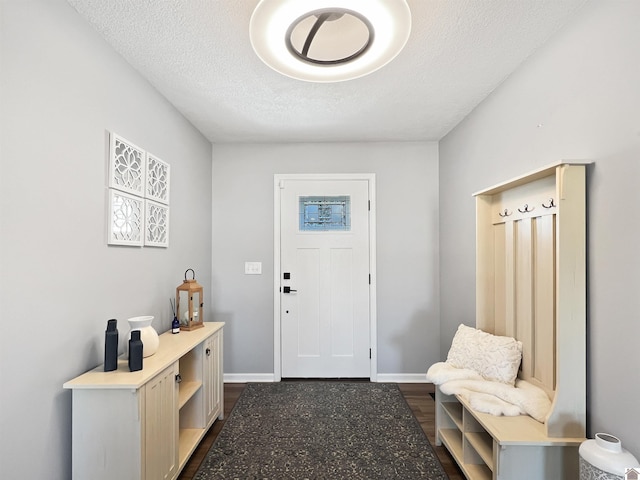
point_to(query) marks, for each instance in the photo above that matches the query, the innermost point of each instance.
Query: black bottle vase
(111, 346)
(135, 351)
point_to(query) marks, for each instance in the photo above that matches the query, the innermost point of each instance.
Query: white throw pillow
(494, 357)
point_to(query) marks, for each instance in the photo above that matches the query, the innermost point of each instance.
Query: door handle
(288, 290)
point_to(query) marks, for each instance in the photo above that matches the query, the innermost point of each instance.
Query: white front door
(324, 278)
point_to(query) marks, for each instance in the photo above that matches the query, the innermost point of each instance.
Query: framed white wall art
(138, 196)
(126, 166)
(157, 184)
(156, 224)
(126, 218)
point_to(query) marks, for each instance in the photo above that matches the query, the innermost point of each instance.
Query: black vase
(111, 346)
(135, 351)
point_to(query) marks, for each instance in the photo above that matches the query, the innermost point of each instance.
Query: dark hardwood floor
(423, 406)
(417, 396)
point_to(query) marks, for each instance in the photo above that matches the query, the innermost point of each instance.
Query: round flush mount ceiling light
(329, 40)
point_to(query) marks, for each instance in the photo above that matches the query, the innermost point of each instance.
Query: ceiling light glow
(274, 20)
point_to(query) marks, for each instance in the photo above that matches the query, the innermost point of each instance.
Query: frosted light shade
(273, 20)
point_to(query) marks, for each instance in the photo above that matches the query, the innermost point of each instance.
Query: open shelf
(454, 411)
(482, 443)
(476, 472)
(452, 438)
(453, 441)
(187, 390)
(188, 441)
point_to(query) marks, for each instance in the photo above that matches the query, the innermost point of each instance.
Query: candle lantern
(189, 303)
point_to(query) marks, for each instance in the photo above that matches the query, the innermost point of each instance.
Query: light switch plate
(253, 268)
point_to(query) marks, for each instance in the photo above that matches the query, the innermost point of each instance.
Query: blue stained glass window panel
(322, 214)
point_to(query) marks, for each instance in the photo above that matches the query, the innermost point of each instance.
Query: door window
(325, 213)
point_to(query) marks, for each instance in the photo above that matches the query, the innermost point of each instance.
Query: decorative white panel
(157, 184)
(126, 218)
(156, 224)
(126, 166)
(138, 210)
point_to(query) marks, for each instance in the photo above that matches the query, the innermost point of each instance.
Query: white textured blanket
(490, 397)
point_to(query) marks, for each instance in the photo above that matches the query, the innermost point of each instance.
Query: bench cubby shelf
(530, 285)
(487, 447)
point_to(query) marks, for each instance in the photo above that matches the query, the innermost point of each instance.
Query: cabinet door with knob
(161, 425)
(212, 378)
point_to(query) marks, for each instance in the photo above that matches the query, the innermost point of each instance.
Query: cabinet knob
(178, 378)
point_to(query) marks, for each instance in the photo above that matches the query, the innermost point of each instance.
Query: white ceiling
(197, 53)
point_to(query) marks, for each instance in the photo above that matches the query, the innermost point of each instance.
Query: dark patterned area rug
(321, 431)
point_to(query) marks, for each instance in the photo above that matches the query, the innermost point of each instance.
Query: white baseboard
(380, 378)
(248, 377)
(402, 378)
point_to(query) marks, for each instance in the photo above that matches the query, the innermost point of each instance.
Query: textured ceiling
(197, 53)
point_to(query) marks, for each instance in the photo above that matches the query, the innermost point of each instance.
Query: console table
(146, 424)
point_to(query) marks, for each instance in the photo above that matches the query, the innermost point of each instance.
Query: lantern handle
(194, 274)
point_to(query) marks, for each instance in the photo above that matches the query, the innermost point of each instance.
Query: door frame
(277, 340)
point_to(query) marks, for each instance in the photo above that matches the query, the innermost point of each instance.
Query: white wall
(583, 90)
(407, 246)
(62, 89)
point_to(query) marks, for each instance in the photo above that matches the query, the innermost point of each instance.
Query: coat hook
(551, 204)
(505, 214)
(526, 209)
